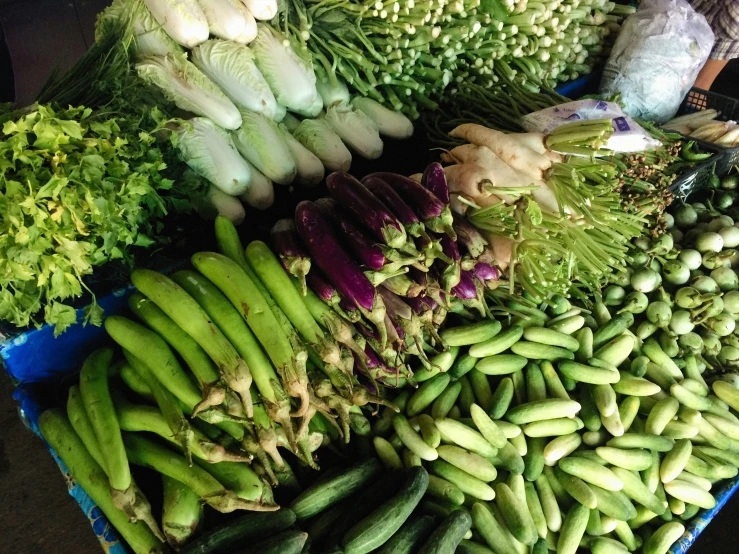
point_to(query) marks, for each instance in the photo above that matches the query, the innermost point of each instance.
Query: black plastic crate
(698, 99)
(699, 175)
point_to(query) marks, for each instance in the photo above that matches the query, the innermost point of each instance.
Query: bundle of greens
(80, 187)
(409, 55)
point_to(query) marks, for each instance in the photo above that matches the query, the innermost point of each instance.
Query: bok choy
(186, 86)
(150, 39)
(290, 77)
(232, 67)
(210, 152)
(356, 129)
(262, 142)
(183, 20)
(230, 20)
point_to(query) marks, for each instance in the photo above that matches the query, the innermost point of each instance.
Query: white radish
(519, 157)
(469, 179)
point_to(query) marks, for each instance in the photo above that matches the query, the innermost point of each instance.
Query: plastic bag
(628, 136)
(656, 58)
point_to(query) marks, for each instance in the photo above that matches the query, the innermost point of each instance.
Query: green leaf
(534, 212)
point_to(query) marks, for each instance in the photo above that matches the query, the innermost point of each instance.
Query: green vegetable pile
(409, 55)
(79, 187)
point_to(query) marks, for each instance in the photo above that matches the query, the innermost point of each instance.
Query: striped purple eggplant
(470, 291)
(291, 252)
(466, 289)
(382, 261)
(338, 267)
(318, 284)
(469, 237)
(435, 214)
(448, 273)
(365, 251)
(485, 272)
(434, 179)
(388, 196)
(354, 197)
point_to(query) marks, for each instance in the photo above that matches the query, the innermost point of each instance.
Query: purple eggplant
(469, 291)
(337, 266)
(469, 237)
(449, 273)
(485, 272)
(435, 214)
(388, 196)
(323, 289)
(434, 179)
(292, 254)
(369, 211)
(366, 251)
(411, 324)
(383, 262)
(466, 288)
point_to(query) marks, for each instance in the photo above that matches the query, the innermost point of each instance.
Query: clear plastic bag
(656, 58)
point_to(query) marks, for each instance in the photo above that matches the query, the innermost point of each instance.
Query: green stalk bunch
(411, 54)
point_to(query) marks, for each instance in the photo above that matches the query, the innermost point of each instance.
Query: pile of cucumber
(366, 509)
(562, 429)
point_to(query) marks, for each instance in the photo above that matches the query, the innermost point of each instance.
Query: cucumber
(426, 394)
(469, 547)
(446, 400)
(663, 538)
(287, 542)
(538, 351)
(469, 484)
(501, 364)
(322, 495)
(501, 398)
(448, 535)
(577, 489)
(642, 440)
(690, 493)
(462, 366)
(573, 529)
(246, 528)
(614, 504)
(616, 352)
(635, 489)
(591, 472)
(542, 409)
(494, 534)
(499, 343)
(410, 536)
(634, 459)
(375, 530)
(588, 374)
(472, 333)
(515, 514)
(544, 335)
(612, 329)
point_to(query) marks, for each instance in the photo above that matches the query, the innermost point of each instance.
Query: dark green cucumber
(449, 533)
(322, 495)
(470, 547)
(361, 506)
(375, 530)
(249, 527)
(410, 536)
(287, 542)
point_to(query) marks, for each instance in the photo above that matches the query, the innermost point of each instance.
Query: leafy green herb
(77, 188)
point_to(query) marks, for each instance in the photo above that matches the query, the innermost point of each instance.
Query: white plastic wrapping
(628, 136)
(657, 57)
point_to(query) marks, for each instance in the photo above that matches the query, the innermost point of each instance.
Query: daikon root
(470, 179)
(502, 248)
(507, 148)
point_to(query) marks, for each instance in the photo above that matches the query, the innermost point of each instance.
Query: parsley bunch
(77, 188)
